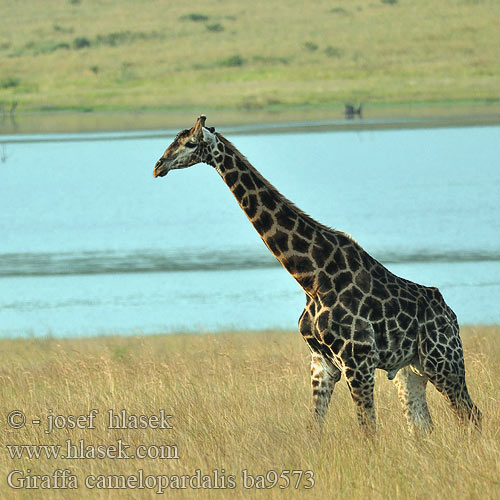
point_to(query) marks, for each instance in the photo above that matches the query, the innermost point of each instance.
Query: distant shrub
(81, 42)
(114, 39)
(94, 69)
(235, 60)
(271, 60)
(390, 2)
(310, 46)
(62, 45)
(46, 47)
(272, 101)
(194, 17)
(62, 29)
(9, 82)
(338, 10)
(333, 51)
(123, 37)
(215, 27)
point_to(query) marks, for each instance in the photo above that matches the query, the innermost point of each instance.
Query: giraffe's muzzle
(161, 169)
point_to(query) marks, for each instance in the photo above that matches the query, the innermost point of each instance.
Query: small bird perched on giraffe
(358, 315)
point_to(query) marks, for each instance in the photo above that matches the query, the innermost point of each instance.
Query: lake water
(91, 243)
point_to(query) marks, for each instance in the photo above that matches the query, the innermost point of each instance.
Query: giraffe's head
(188, 148)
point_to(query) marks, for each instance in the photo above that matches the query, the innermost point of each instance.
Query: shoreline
(176, 335)
(265, 120)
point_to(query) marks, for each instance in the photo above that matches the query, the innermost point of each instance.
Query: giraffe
(358, 315)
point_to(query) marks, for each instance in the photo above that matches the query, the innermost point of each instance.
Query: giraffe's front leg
(324, 376)
(358, 356)
(361, 381)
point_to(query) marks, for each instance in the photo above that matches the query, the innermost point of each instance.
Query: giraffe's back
(398, 310)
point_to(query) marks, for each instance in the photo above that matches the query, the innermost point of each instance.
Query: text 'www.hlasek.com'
(112, 422)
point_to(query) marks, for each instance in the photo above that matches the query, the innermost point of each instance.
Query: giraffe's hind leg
(455, 392)
(441, 358)
(324, 376)
(411, 391)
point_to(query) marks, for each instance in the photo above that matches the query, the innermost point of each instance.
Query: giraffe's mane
(273, 190)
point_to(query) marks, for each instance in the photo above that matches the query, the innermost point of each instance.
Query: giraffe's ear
(198, 126)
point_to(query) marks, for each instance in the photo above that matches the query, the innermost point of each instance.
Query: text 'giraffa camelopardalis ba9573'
(358, 315)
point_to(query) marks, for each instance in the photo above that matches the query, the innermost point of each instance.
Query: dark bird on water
(350, 111)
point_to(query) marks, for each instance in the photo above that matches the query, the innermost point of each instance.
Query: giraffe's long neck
(304, 247)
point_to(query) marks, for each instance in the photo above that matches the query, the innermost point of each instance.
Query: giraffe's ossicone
(358, 315)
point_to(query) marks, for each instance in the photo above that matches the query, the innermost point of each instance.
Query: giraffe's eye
(190, 144)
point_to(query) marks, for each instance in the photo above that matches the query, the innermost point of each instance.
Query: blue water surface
(91, 243)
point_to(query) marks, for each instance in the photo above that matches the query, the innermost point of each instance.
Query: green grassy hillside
(152, 54)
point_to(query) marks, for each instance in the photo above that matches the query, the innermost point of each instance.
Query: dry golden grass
(241, 401)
